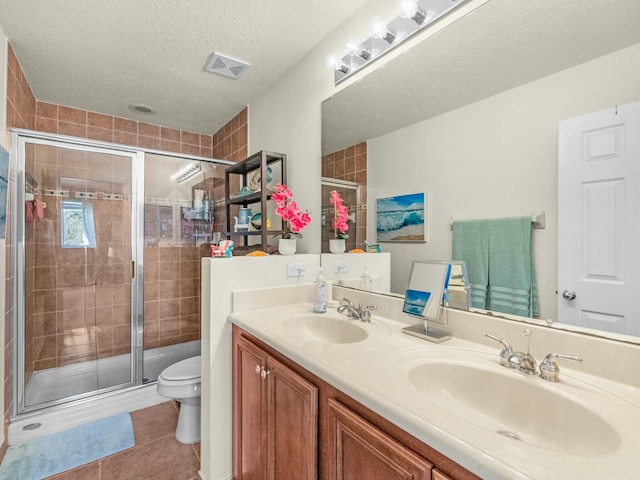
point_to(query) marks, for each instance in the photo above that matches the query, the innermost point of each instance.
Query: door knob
(569, 294)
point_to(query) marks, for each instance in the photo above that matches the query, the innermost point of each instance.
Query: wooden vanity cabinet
(357, 449)
(275, 418)
(293, 425)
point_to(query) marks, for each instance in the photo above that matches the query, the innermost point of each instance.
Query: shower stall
(106, 243)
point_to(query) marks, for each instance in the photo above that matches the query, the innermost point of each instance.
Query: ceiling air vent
(227, 66)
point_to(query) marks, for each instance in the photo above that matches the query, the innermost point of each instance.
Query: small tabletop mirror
(424, 298)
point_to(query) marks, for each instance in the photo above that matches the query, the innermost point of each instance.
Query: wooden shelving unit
(242, 175)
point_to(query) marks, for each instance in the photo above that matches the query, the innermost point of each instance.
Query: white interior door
(599, 220)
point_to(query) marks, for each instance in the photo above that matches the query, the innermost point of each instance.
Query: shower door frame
(19, 138)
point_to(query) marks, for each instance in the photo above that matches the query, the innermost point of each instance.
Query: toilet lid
(183, 370)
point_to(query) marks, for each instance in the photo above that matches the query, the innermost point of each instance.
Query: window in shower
(78, 229)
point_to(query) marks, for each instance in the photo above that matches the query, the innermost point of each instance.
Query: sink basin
(325, 329)
(520, 407)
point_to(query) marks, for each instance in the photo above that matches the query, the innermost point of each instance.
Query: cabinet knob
(258, 369)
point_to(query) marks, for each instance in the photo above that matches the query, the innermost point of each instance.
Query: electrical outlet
(340, 267)
(295, 269)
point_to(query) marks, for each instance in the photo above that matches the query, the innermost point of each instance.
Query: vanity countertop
(376, 371)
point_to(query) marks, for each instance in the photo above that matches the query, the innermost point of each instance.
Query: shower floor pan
(75, 379)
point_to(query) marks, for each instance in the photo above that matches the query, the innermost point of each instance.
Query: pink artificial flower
(290, 212)
(340, 215)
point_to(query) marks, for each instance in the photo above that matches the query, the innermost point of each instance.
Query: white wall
(496, 157)
(220, 277)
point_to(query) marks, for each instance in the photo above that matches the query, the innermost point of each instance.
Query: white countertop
(375, 373)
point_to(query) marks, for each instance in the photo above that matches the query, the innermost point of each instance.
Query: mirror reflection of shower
(351, 194)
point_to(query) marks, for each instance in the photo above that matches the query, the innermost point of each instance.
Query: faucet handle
(366, 313)
(506, 352)
(349, 302)
(549, 368)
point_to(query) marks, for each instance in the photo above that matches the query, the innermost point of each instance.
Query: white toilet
(181, 382)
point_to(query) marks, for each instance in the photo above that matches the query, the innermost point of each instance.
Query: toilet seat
(187, 369)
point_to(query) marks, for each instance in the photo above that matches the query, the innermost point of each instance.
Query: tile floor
(157, 455)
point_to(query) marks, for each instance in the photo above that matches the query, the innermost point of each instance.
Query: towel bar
(538, 219)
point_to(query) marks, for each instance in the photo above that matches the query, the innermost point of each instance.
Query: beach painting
(415, 302)
(401, 218)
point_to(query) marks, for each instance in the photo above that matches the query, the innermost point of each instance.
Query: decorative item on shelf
(254, 184)
(372, 248)
(256, 221)
(224, 249)
(338, 223)
(293, 218)
(287, 246)
(242, 220)
(244, 191)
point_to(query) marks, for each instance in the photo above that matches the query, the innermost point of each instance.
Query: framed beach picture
(401, 218)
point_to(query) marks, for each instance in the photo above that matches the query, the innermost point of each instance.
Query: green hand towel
(512, 287)
(471, 245)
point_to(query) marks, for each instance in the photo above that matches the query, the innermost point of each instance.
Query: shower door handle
(133, 269)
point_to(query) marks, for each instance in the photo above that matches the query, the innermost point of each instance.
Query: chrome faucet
(520, 360)
(360, 313)
(549, 368)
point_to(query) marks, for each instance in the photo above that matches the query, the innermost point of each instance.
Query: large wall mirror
(470, 117)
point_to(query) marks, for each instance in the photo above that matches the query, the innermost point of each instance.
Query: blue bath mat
(61, 451)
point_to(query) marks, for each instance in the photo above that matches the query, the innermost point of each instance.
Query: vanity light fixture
(413, 16)
(186, 173)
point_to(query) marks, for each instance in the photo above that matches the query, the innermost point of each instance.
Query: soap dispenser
(366, 278)
(320, 304)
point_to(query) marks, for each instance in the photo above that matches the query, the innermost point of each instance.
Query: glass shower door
(75, 263)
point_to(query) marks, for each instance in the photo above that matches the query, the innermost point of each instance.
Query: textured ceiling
(105, 55)
(500, 45)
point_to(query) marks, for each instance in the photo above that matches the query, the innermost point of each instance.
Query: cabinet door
(437, 475)
(292, 424)
(359, 450)
(250, 414)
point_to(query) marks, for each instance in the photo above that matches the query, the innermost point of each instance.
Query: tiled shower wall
(349, 164)
(230, 142)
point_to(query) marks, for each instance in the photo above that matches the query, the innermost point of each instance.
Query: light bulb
(378, 27)
(353, 48)
(410, 9)
(352, 45)
(406, 8)
(335, 63)
(331, 61)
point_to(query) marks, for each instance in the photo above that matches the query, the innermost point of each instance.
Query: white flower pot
(337, 245)
(287, 246)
